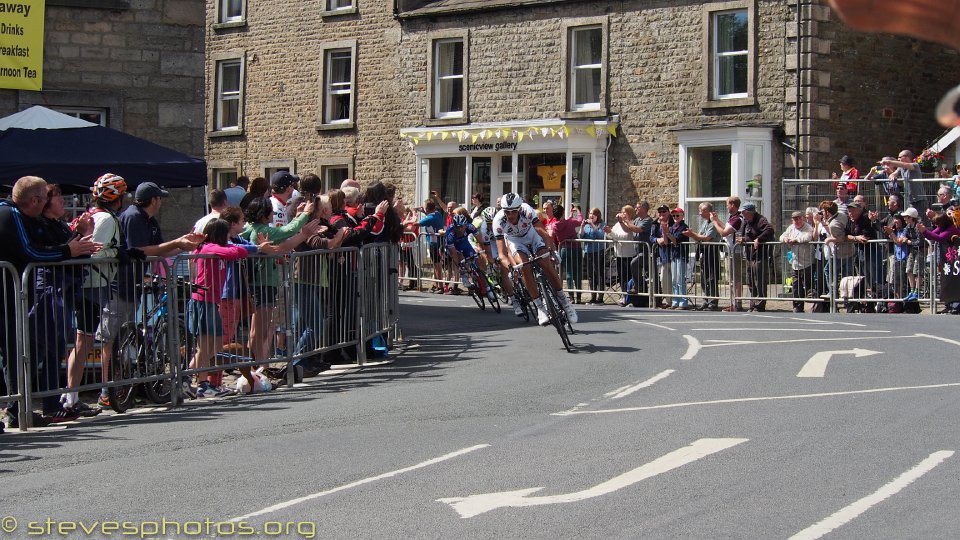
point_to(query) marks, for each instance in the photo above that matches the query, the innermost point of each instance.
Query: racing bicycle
(481, 288)
(551, 300)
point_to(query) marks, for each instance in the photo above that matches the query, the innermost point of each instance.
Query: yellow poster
(21, 44)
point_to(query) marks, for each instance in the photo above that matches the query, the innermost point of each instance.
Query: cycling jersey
(461, 243)
(502, 228)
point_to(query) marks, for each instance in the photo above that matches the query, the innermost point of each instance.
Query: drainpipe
(798, 154)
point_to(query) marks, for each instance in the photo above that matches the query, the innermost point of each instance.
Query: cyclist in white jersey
(519, 232)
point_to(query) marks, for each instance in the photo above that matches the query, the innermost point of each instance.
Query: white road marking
(826, 322)
(816, 366)
(848, 513)
(473, 505)
(789, 329)
(299, 500)
(652, 324)
(693, 347)
(763, 398)
(626, 391)
(938, 338)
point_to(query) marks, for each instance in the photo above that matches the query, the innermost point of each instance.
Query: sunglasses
(676, 215)
(511, 211)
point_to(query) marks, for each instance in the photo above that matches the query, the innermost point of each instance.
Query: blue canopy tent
(73, 153)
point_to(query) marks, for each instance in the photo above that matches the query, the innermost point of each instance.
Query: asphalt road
(662, 424)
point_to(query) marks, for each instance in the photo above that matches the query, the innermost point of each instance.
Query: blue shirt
(591, 232)
(432, 223)
(462, 243)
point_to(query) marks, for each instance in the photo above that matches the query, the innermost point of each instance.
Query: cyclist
(520, 233)
(458, 243)
(490, 249)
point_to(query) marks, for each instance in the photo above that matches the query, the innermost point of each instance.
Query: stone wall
(141, 60)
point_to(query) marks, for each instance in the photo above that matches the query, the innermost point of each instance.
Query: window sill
(595, 113)
(231, 24)
(436, 122)
(338, 12)
(727, 103)
(337, 126)
(225, 133)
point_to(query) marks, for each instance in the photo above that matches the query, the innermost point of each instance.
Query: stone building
(132, 65)
(597, 103)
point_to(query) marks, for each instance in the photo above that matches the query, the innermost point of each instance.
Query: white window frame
(223, 15)
(717, 55)
(218, 174)
(220, 98)
(77, 112)
(349, 88)
(339, 5)
(438, 78)
(576, 71)
(738, 139)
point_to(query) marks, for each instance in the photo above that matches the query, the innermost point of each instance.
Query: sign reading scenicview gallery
(21, 44)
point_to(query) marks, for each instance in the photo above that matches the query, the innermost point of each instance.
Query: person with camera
(945, 203)
(754, 235)
(908, 171)
(431, 224)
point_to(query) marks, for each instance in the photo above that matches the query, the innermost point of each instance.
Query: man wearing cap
(861, 231)
(754, 234)
(847, 173)
(281, 184)
(839, 249)
(728, 230)
(797, 238)
(843, 199)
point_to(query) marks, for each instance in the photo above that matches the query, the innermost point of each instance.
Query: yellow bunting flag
(612, 129)
(444, 135)
(591, 131)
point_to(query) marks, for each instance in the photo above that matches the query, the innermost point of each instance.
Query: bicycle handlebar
(548, 254)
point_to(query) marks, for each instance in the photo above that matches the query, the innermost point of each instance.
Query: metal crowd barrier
(380, 301)
(801, 193)
(11, 342)
(324, 310)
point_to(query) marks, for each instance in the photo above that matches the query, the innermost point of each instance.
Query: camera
(369, 209)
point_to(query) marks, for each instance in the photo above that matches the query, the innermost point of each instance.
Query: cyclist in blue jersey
(458, 243)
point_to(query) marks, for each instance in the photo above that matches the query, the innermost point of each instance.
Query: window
(338, 74)
(230, 11)
(731, 54)
(229, 92)
(95, 115)
(448, 78)
(718, 163)
(224, 178)
(333, 5)
(334, 175)
(586, 68)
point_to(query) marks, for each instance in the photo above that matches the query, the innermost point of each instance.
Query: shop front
(563, 161)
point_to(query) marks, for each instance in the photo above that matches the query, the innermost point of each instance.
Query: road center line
(434, 461)
(653, 324)
(790, 329)
(763, 398)
(848, 513)
(649, 382)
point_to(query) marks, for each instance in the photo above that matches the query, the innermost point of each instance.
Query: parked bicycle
(480, 287)
(551, 302)
(143, 350)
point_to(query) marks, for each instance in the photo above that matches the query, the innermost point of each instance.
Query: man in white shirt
(218, 202)
(281, 183)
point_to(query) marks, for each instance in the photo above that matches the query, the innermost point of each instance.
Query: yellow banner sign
(21, 44)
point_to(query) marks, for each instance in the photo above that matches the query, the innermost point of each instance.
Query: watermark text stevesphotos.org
(164, 528)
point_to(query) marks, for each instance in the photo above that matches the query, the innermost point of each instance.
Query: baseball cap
(846, 160)
(677, 210)
(796, 213)
(855, 206)
(149, 190)
(280, 180)
(749, 207)
(663, 208)
(911, 212)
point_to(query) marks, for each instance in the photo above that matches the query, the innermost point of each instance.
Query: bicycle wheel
(477, 297)
(125, 365)
(159, 361)
(491, 293)
(557, 316)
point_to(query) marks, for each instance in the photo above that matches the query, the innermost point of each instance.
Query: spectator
(679, 255)
(661, 238)
(547, 214)
(909, 173)
(431, 224)
(797, 238)
(641, 228)
(709, 256)
(282, 186)
(593, 251)
(814, 217)
(861, 232)
(624, 249)
(392, 226)
(258, 188)
(478, 202)
(897, 262)
(886, 176)
(728, 230)
(265, 280)
(409, 261)
(943, 234)
(954, 183)
(944, 202)
(843, 198)
(838, 249)
(236, 192)
(571, 254)
(755, 233)
(847, 173)
(218, 202)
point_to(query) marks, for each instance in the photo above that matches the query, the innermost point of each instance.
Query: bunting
(520, 133)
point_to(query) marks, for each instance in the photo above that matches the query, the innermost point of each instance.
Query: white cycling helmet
(488, 213)
(510, 201)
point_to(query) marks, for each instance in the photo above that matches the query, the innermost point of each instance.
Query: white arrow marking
(693, 347)
(816, 366)
(474, 505)
(627, 390)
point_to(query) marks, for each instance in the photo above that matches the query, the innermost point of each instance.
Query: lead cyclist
(519, 232)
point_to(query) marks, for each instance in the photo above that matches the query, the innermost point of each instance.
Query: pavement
(661, 424)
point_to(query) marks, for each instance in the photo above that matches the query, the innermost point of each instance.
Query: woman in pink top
(203, 314)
